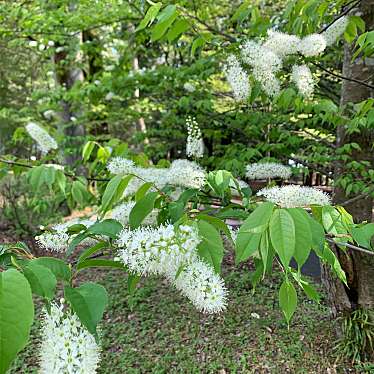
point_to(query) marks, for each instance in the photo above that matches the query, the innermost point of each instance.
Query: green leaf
(143, 190)
(211, 246)
(318, 235)
(282, 235)
(61, 181)
(88, 302)
(165, 20)
(258, 221)
(332, 221)
(107, 227)
(42, 281)
(132, 281)
(363, 235)
(114, 191)
(90, 251)
(16, 316)
(58, 267)
(310, 291)
(150, 16)
(177, 29)
(87, 150)
(287, 299)
(246, 245)
(303, 235)
(216, 222)
(141, 209)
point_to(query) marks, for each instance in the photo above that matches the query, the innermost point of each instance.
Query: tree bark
(359, 267)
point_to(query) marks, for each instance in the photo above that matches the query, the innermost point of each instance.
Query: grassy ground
(162, 333)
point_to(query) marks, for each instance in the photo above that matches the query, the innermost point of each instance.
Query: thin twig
(351, 246)
(358, 197)
(341, 15)
(342, 76)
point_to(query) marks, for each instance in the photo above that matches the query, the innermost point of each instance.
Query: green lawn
(163, 333)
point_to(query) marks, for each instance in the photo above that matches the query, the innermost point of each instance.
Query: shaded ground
(163, 333)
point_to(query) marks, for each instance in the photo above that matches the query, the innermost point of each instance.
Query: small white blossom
(44, 141)
(195, 144)
(333, 33)
(302, 77)
(312, 45)
(234, 232)
(66, 345)
(267, 170)
(294, 196)
(121, 213)
(237, 78)
(172, 253)
(33, 43)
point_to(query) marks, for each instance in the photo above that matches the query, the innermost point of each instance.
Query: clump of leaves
(357, 341)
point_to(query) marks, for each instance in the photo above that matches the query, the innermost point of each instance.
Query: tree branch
(351, 246)
(342, 76)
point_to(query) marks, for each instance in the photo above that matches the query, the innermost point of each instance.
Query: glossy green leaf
(141, 209)
(16, 316)
(287, 299)
(42, 280)
(282, 235)
(58, 267)
(211, 246)
(88, 302)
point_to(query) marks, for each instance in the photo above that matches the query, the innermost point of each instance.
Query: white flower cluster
(58, 240)
(66, 347)
(265, 64)
(44, 141)
(182, 173)
(195, 144)
(267, 170)
(237, 78)
(294, 196)
(189, 87)
(121, 213)
(172, 253)
(120, 165)
(337, 29)
(302, 77)
(266, 59)
(312, 45)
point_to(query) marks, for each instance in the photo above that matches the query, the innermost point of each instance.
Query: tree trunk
(359, 267)
(67, 74)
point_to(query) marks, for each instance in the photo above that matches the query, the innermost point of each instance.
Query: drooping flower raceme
(282, 44)
(195, 144)
(58, 239)
(121, 213)
(44, 141)
(200, 284)
(302, 77)
(172, 253)
(237, 78)
(294, 196)
(267, 170)
(182, 173)
(121, 165)
(312, 45)
(186, 173)
(265, 64)
(66, 345)
(337, 29)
